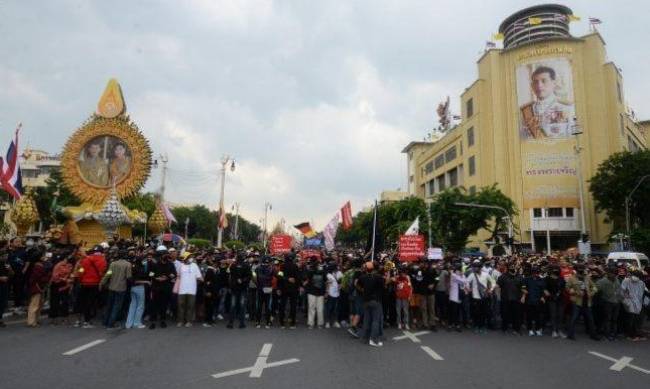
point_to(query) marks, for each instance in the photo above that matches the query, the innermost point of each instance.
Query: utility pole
(187, 223)
(164, 159)
(267, 208)
(222, 217)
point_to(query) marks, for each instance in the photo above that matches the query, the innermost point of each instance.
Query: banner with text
(280, 244)
(411, 247)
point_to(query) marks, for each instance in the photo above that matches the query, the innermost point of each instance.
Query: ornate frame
(120, 127)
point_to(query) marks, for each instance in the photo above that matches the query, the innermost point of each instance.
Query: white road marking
(432, 353)
(84, 347)
(411, 335)
(620, 364)
(259, 366)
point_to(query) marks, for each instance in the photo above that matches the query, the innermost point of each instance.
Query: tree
(613, 181)
(48, 209)
(144, 202)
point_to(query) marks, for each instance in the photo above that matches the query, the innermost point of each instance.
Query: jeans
(610, 318)
(263, 306)
(238, 307)
(480, 312)
(315, 310)
(402, 305)
(292, 298)
(114, 306)
(428, 309)
(59, 301)
(331, 312)
(585, 312)
(534, 314)
(510, 315)
(634, 321)
(88, 301)
(161, 299)
(556, 314)
(372, 320)
(442, 302)
(186, 304)
(136, 308)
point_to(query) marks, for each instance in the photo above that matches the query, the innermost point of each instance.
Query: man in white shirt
(188, 276)
(481, 285)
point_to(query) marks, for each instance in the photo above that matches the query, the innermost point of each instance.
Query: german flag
(306, 229)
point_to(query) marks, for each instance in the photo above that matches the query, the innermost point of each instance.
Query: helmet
(162, 248)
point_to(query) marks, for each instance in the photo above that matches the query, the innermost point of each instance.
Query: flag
(168, 213)
(490, 45)
(498, 36)
(533, 21)
(305, 229)
(346, 216)
(10, 175)
(414, 229)
(594, 21)
(223, 219)
(574, 18)
(375, 242)
(329, 232)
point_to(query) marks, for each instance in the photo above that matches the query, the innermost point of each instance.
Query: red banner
(308, 253)
(346, 216)
(280, 244)
(411, 247)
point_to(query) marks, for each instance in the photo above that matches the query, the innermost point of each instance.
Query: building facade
(535, 101)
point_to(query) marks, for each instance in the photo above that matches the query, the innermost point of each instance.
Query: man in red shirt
(90, 273)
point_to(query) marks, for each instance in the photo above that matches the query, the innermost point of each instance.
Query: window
(411, 178)
(472, 166)
(432, 187)
(470, 137)
(619, 91)
(554, 212)
(440, 180)
(537, 212)
(439, 161)
(428, 168)
(450, 154)
(470, 107)
(472, 190)
(453, 177)
(569, 212)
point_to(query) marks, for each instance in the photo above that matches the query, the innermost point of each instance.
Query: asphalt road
(188, 358)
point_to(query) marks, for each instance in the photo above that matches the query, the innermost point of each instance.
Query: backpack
(403, 288)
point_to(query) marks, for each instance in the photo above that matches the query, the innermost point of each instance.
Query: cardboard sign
(434, 253)
(308, 253)
(411, 247)
(280, 244)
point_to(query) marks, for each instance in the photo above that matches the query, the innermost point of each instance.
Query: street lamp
(583, 224)
(267, 207)
(510, 226)
(628, 199)
(224, 162)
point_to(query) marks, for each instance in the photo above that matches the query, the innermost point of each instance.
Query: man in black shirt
(163, 274)
(315, 287)
(240, 277)
(371, 286)
(289, 289)
(510, 285)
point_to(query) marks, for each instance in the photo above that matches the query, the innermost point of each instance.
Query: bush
(234, 245)
(199, 243)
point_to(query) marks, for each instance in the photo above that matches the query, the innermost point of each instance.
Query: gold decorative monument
(24, 213)
(104, 161)
(157, 221)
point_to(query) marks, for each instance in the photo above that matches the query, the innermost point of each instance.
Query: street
(64, 357)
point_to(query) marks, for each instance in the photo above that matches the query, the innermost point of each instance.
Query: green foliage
(48, 208)
(145, 202)
(199, 243)
(235, 245)
(204, 224)
(641, 240)
(614, 180)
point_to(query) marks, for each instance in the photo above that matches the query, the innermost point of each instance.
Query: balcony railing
(556, 224)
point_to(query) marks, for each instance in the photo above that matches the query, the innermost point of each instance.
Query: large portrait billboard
(545, 119)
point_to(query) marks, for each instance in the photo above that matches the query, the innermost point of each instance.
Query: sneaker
(292, 327)
(207, 325)
(258, 326)
(562, 334)
(539, 333)
(219, 317)
(310, 327)
(77, 324)
(399, 326)
(179, 325)
(163, 324)
(88, 325)
(406, 327)
(140, 326)
(327, 325)
(555, 335)
(337, 325)
(268, 326)
(188, 325)
(320, 327)
(531, 333)
(353, 332)
(373, 344)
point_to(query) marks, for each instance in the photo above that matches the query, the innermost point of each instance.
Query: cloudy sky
(314, 99)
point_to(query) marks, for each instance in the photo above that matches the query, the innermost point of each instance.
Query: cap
(161, 248)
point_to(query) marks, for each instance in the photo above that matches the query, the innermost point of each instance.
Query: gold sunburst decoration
(104, 151)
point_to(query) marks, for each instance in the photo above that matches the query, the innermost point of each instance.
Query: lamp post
(235, 234)
(510, 226)
(267, 207)
(224, 162)
(628, 199)
(583, 246)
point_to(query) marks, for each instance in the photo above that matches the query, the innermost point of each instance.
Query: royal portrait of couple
(105, 161)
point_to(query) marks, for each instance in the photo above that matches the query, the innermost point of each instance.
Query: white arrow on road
(413, 336)
(620, 364)
(259, 366)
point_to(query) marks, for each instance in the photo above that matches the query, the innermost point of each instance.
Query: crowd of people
(129, 285)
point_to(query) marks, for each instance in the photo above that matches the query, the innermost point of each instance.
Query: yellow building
(518, 129)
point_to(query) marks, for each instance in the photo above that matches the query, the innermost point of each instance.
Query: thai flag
(10, 176)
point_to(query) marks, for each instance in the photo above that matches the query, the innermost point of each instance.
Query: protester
(264, 280)
(6, 273)
(371, 285)
(240, 277)
(141, 281)
(403, 293)
(116, 280)
(90, 272)
(581, 290)
(185, 288)
(37, 282)
(163, 274)
(315, 287)
(60, 288)
(633, 290)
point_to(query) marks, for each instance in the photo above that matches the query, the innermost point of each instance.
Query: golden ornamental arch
(114, 132)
